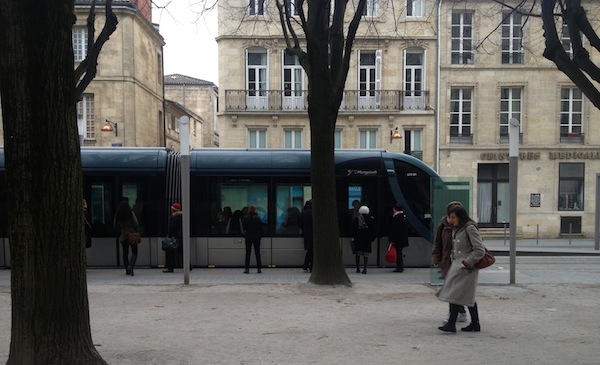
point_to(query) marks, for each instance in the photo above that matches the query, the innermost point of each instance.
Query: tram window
(233, 201)
(134, 194)
(101, 209)
(290, 201)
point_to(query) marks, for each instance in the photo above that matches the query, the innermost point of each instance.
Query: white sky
(190, 47)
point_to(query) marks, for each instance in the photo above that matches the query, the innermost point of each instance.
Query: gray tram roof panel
(134, 159)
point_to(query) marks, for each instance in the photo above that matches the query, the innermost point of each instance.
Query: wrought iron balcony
(286, 100)
(416, 154)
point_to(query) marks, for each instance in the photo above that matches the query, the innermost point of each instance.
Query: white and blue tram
(226, 181)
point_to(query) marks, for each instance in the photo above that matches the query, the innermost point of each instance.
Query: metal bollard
(504, 233)
(570, 232)
(537, 234)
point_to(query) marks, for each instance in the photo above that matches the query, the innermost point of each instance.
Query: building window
(256, 74)
(413, 143)
(512, 38)
(80, 43)
(293, 83)
(570, 186)
(85, 110)
(293, 138)
(461, 111)
(159, 68)
(462, 38)
(510, 107)
(368, 138)
(571, 112)
(371, 8)
(369, 79)
(337, 138)
(566, 40)
(414, 8)
(257, 138)
(256, 7)
(414, 79)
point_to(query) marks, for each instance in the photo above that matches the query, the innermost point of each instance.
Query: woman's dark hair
(461, 214)
(124, 212)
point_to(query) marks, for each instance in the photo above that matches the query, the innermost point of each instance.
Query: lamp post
(513, 139)
(184, 147)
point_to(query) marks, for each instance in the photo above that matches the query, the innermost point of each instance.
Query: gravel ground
(369, 323)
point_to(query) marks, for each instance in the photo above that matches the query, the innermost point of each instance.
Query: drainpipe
(436, 155)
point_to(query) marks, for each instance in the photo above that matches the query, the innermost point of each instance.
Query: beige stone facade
(200, 97)
(452, 106)
(128, 87)
(559, 150)
(251, 50)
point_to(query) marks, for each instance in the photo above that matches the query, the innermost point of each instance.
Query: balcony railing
(416, 154)
(461, 138)
(279, 100)
(572, 138)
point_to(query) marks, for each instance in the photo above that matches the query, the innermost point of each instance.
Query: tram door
(492, 195)
(352, 193)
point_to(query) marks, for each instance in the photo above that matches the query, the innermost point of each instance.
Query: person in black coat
(364, 232)
(398, 234)
(306, 224)
(176, 231)
(253, 233)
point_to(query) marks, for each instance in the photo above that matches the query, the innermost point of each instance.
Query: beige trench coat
(460, 284)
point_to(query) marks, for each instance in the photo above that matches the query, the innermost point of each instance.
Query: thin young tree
(322, 41)
(39, 90)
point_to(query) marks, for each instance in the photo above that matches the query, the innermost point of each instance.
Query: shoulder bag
(134, 238)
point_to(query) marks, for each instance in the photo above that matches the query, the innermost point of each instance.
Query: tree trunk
(50, 310)
(323, 105)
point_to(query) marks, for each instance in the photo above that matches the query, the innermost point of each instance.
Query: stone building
(450, 75)
(491, 71)
(127, 92)
(201, 98)
(126, 96)
(173, 112)
(262, 90)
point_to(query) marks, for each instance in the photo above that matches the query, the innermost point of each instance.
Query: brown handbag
(487, 260)
(134, 238)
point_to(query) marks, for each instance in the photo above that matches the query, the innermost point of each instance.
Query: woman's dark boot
(365, 260)
(450, 326)
(474, 326)
(357, 258)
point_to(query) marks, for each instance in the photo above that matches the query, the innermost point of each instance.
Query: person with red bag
(398, 234)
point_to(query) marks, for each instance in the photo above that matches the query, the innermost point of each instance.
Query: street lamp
(394, 134)
(108, 127)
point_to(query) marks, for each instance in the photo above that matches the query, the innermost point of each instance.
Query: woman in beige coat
(461, 280)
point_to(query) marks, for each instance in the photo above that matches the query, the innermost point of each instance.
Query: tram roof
(130, 159)
(282, 160)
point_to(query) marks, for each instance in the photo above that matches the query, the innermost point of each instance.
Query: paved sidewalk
(226, 317)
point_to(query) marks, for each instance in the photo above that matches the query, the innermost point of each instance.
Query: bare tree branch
(86, 71)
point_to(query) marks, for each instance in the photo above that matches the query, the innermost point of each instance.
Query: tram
(223, 182)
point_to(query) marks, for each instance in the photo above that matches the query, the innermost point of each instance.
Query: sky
(190, 47)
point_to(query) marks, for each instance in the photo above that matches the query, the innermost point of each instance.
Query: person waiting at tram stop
(253, 233)
(306, 224)
(364, 232)
(176, 231)
(125, 222)
(442, 248)
(398, 234)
